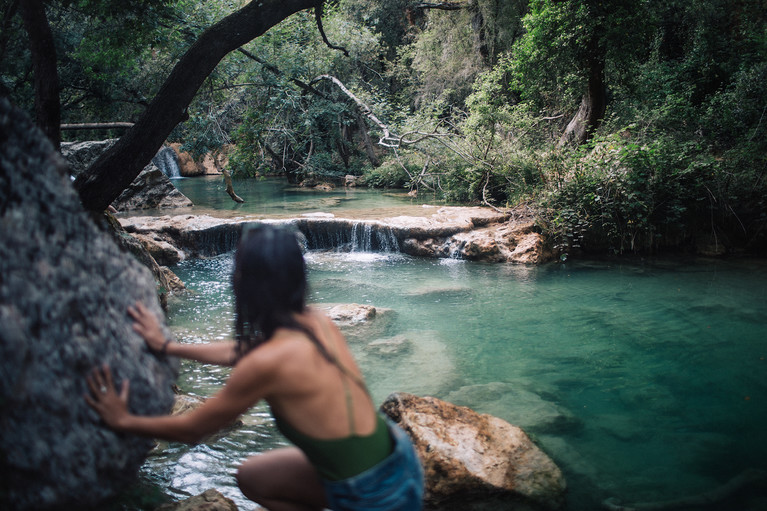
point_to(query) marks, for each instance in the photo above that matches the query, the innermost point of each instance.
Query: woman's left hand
(111, 406)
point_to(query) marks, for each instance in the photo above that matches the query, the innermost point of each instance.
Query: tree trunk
(115, 169)
(46, 82)
(592, 109)
(369, 148)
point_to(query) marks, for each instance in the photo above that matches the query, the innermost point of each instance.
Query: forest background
(626, 126)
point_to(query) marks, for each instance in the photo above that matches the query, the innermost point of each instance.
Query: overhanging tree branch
(275, 70)
(115, 169)
(318, 18)
(387, 139)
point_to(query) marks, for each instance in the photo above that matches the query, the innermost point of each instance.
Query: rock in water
(210, 500)
(476, 461)
(64, 289)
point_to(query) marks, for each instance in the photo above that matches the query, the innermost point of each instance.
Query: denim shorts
(394, 484)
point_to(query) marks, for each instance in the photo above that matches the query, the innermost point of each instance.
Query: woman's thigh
(281, 479)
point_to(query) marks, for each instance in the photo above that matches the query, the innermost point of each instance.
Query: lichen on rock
(64, 289)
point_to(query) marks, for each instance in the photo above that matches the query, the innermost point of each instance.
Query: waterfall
(349, 235)
(371, 237)
(167, 161)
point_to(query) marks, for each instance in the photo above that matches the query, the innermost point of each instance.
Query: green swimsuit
(341, 458)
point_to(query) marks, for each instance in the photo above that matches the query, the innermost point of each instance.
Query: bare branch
(318, 17)
(97, 126)
(445, 6)
(229, 187)
(274, 69)
(387, 139)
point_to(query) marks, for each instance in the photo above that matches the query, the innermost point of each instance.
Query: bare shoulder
(320, 318)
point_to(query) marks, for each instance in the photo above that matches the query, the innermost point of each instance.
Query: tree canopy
(628, 125)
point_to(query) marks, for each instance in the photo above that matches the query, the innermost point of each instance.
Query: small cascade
(370, 237)
(349, 236)
(167, 161)
(373, 237)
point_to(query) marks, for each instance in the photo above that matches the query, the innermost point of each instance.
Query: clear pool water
(644, 380)
(273, 197)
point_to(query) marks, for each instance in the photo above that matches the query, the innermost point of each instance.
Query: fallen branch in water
(230, 188)
(746, 479)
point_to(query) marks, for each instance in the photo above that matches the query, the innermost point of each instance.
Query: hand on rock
(148, 327)
(111, 406)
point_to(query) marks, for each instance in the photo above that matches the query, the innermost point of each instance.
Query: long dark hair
(270, 286)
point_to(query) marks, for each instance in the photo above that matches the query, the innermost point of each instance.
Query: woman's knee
(278, 474)
(248, 478)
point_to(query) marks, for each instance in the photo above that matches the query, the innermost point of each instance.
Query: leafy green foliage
(480, 96)
(390, 174)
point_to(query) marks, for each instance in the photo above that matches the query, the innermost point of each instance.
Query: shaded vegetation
(631, 126)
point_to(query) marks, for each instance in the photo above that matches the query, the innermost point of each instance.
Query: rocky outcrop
(166, 282)
(473, 233)
(189, 167)
(210, 500)
(186, 165)
(80, 155)
(64, 289)
(515, 240)
(151, 189)
(474, 461)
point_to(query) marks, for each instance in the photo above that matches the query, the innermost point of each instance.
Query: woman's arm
(148, 327)
(221, 353)
(243, 390)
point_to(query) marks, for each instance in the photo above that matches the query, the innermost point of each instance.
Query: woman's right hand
(148, 327)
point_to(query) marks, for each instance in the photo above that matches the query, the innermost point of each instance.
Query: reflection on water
(643, 381)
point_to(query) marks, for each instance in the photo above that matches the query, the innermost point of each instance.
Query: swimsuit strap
(345, 372)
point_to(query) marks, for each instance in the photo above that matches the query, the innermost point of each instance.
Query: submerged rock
(514, 403)
(347, 314)
(64, 289)
(359, 323)
(391, 346)
(476, 461)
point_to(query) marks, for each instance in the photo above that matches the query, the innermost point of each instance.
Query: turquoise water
(642, 380)
(272, 197)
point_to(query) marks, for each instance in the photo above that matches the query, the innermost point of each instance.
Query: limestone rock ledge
(476, 461)
(473, 233)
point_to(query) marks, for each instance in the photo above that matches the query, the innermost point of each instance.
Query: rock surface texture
(64, 289)
(210, 500)
(476, 461)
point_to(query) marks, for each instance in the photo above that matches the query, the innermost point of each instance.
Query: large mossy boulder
(64, 289)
